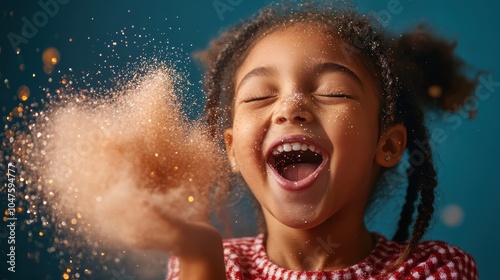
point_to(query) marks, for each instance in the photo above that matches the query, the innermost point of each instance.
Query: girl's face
(305, 130)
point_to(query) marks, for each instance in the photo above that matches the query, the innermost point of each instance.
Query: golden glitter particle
(64, 81)
(102, 254)
(6, 212)
(452, 215)
(435, 91)
(18, 51)
(70, 39)
(5, 219)
(40, 233)
(17, 111)
(68, 270)
(51, 56)
(176, 168)
(190, 198)
(65, 276)
(19, 209)
(78, 215)
(51, 181)
(156, 154)
(23, 92)
(9, 133)
(74, 221)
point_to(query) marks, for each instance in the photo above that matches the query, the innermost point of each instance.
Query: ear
(228, 139)
(391, 146)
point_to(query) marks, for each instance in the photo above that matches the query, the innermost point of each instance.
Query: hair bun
(429, 67)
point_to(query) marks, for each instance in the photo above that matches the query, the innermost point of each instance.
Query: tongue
(298, 171)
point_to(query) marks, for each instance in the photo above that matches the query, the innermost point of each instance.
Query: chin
(297, 218)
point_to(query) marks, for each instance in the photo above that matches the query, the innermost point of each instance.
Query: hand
(197, 245)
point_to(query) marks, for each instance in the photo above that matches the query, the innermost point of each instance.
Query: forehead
(306, 43)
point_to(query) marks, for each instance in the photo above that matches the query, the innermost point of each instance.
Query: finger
(155, 209)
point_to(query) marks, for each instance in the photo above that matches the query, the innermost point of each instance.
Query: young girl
(316, 105)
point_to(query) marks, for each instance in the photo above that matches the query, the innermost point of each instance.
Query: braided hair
(415, 71)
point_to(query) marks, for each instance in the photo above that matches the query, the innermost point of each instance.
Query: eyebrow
(267, 71)
(334, 67)
(263, 71)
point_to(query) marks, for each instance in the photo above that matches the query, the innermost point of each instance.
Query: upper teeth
(295, 146)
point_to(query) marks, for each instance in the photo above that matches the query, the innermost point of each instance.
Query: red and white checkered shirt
(246, 258)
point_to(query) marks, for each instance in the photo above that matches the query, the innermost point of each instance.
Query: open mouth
(295, 161)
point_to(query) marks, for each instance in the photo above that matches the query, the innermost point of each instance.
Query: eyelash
(335, 94)
(259, 96)
(267, 95)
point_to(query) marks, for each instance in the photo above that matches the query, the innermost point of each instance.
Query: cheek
(355, 135)
(354, 142)
(247, 143)
(247, 137)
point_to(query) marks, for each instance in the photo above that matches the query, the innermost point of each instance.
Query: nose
(294, 109)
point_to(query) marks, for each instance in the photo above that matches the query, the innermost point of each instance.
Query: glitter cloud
(97, 159)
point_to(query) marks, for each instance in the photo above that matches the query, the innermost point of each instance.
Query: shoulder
(240, 254)
(431, 260)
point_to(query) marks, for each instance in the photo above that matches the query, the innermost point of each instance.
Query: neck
(335, 244)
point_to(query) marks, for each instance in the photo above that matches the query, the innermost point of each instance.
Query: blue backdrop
(92, 35)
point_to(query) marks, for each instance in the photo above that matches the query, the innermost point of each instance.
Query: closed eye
(259, 97)
(335, 95)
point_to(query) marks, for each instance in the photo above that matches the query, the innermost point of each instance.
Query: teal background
(467, 161)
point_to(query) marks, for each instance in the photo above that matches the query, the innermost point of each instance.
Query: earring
(233, 165)
(387, 158)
